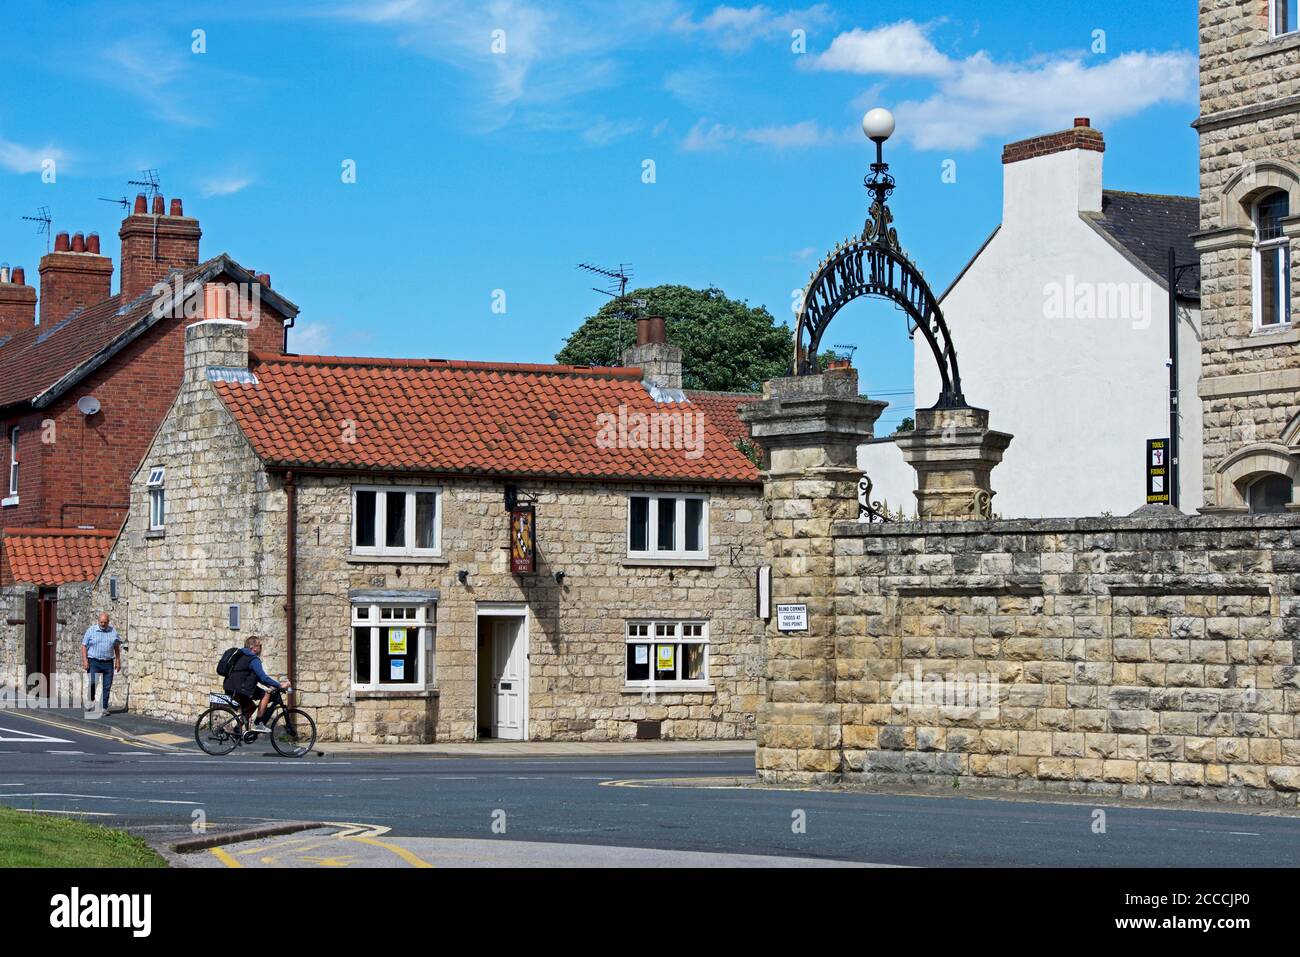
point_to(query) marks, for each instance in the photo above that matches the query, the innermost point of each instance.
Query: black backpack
(227, 662)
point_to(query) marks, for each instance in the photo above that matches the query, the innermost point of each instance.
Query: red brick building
(87, 375)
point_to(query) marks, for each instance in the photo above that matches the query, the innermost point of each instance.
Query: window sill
(6, 502)
(1278, 44)
(394, 693)
(639, 562)
(683, 686)
(356, 559)
(156, 533)
(1281, 334)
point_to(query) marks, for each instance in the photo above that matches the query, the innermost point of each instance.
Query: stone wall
(76, 613)
(1148, 657)
(1249, 126)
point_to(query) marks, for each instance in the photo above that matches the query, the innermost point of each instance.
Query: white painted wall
(1080, 394)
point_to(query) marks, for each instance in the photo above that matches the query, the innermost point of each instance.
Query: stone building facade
(1249, 243)
(231, 497)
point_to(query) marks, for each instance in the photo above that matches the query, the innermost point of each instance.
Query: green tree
(727, 346)
(907, 425)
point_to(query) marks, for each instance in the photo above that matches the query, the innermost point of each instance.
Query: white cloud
(312, 338)
(224, 185)
(986, 99)
(25, 159)
(707, 136)
(737, 28)
(900, 49)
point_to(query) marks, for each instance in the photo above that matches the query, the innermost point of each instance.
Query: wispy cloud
(738, 28)
(312, 338)
(706, 135)
(978, 98)
(25, 159)
(226, 185)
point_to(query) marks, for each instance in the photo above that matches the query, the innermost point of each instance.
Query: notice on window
(397, 641)
(397, 670)
(792, 617)
(665, 657)
(642, 654)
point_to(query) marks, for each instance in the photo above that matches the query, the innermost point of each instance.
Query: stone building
(370, 518)
(1249, 127)
(86, 376)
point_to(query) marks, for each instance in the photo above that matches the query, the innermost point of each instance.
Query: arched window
(1272, 262)
(1272, 493)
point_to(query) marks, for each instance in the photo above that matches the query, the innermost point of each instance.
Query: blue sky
(481, 170)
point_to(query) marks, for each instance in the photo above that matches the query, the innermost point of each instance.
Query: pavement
(596, 809)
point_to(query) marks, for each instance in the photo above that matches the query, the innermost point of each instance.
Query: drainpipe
(291, 581)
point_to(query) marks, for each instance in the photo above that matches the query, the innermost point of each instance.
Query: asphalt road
(587, 801)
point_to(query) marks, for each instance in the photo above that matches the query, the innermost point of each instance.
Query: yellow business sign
(665, 657)
(397, 641)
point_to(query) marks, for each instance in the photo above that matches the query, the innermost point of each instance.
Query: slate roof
(40, 363)
(437, 416)
(1145, 225)
(54, 556)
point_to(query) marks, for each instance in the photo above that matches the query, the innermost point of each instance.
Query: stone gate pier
(1150, 656)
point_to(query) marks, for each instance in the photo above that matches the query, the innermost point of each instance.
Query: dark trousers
(101, 666)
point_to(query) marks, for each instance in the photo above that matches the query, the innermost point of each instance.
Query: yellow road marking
(164, 737)
(401, 852)
(223, 857)
(86, 731)
(344, 861)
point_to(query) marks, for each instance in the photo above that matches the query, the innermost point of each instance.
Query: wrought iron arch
(875, 265)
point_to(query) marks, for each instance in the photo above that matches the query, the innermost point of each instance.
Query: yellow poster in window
(665, 656)
(397, 641)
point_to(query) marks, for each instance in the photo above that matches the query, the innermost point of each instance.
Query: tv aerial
(43, 217)
(617, 290)
(148, 181)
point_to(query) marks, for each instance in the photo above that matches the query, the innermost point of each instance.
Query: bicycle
(223, 727)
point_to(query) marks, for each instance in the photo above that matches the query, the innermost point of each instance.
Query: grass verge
(45, 840)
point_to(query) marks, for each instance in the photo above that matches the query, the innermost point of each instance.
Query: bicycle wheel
(293, 732)
(218, 730)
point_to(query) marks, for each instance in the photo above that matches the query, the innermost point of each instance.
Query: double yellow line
(78, 729)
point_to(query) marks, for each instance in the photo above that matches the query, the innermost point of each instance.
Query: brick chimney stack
(17, 301)
(659, 360)
(1053, 177)
(74, 276)
(154, 242)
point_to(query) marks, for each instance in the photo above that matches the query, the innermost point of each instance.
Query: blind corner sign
(791, 617)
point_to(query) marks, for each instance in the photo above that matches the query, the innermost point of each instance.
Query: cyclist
(246, 682)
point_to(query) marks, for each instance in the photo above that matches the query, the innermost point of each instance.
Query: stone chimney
(660, 361)
(74, 276)
(154, 243)
(214, 343)
(17, 301)
(1053, 176)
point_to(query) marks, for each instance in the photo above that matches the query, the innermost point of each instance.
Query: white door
(508, 677)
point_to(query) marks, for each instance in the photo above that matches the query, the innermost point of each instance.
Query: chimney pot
(158, 205)
(61, 243)
(4, 273)
(92, 243)
(177, 209)
(650, 330)
(78, 243)
(141, 205)
(19, 277)
(1082, 121)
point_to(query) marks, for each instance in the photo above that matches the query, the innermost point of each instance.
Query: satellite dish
(88, 405)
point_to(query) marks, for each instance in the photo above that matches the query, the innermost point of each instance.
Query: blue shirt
(100, 643)
(256, 666)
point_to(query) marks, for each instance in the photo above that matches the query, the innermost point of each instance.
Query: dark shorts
(247, 702)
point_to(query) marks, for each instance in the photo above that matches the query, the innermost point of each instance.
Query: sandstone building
(370, 519)
(1250, 224)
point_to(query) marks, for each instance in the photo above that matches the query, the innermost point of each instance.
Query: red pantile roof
(54, 556)
(723, 409)
(436, 416)
(40, 358)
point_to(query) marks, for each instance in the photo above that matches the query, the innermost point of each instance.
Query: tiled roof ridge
(380, 362)
(51, 532)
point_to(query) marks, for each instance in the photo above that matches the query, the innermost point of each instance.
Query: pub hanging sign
(1157, 466)
(523, 540)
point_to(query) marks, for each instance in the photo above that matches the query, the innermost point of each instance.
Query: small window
(667, 653)
(112, 588)
(392, 646)
(667, 526)
(232, 615)
(13, 461)
(1285, 19)
(396, 521)
(1272, 493)
(1272, 267)
(157, 498)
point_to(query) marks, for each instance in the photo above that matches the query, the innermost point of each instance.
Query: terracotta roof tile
(55, 556)
(436, 416)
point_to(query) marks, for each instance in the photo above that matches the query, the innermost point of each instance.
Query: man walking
(101, 655)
